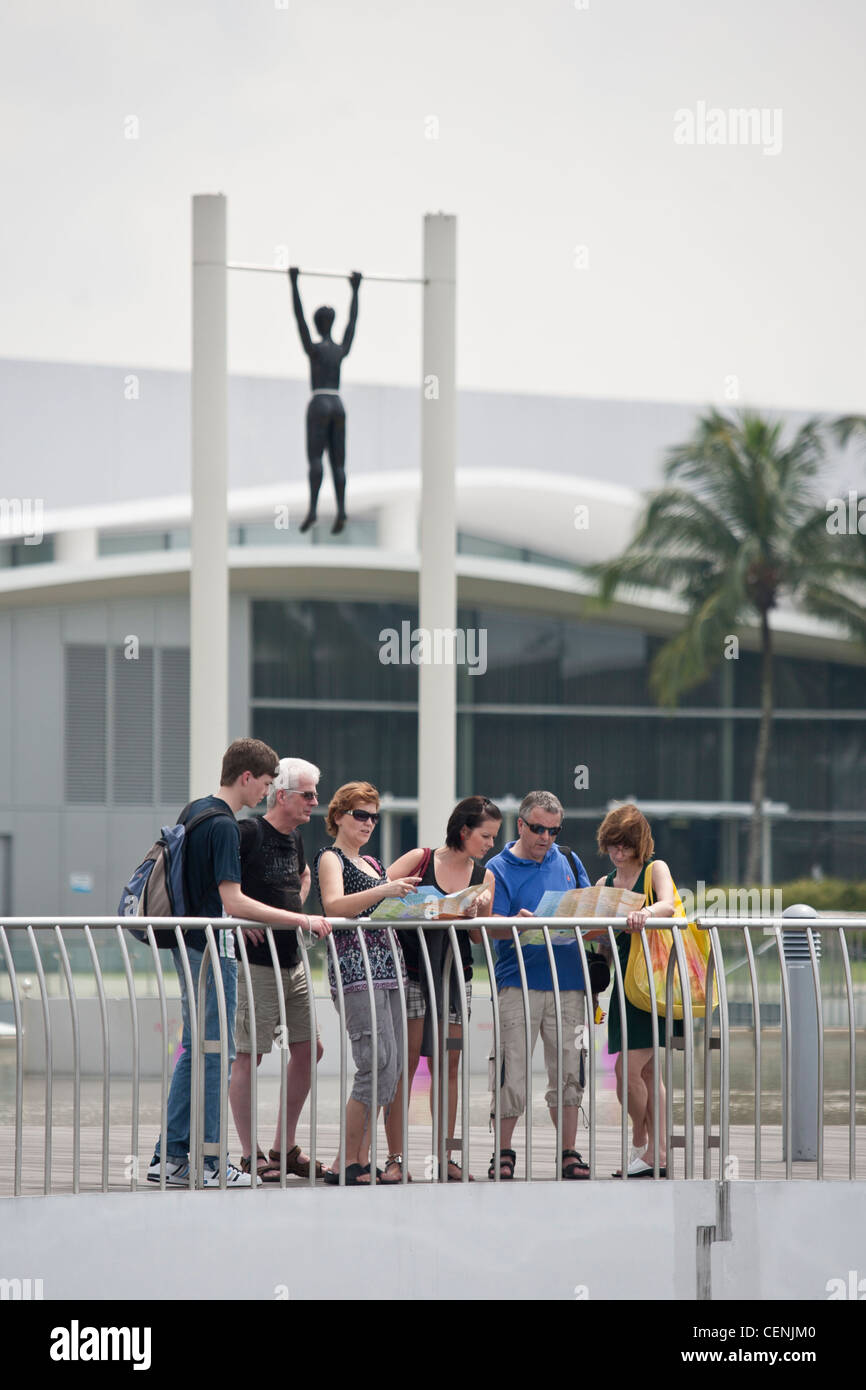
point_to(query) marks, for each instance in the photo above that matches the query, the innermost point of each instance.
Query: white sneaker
(234, 1177)
(176, 1172)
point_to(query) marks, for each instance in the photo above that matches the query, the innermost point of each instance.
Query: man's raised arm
(349, 335)
(306, 340)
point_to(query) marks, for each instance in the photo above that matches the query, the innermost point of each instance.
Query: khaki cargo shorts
(266, 1001)
(509, 1077)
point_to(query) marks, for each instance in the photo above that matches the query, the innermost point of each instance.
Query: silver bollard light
(804, 1039)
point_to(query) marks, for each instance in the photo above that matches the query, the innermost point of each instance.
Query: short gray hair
(545, 801)
(289, 774)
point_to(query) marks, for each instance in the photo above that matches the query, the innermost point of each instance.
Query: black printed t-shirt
(271, 867)
(211, 857)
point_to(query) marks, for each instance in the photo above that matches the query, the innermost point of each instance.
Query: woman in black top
(469, 837)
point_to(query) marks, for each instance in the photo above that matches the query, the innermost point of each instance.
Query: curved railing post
(654, 1022)
(688, 1048)
(623, 1026)
(589, 1025)
(341, 1010)
(717, 956)
(527, 1023)
(495, 1090)
(756, 1020)
(435, 1175)
(19, 1063)
(557, 1010)
(136, 1062)
(314, 1061)
(163, 1021)
(106, 1055)
(76, 1062)
(284, 1059)
(49, 1058)
(254, 1052)
(374, 1070)
(404, 1060)
(465, 1072)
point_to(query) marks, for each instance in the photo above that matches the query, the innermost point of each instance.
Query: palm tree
(739, 526)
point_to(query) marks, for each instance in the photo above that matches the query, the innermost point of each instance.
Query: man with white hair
(274, 871)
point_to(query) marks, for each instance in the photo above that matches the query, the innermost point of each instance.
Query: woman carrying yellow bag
(625, 836)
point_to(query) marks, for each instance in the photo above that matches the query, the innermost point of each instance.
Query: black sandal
(353, 1173)
(577, 1168)
(507, 1160)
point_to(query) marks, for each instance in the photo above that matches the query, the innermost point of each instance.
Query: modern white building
(94, 630)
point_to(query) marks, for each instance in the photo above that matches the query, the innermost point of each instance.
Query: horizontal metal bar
(523, 923)
(786, 923)
(323, 274)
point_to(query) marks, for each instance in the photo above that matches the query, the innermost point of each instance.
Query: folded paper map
(600, 901)
(428, 904)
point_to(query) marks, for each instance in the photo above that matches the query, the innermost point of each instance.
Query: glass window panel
(348, 746)
(315, 650)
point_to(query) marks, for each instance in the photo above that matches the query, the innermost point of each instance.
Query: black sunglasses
(551, 830)
(366, 815)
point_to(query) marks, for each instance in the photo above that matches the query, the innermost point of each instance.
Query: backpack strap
(424, 863)
(563, 849)
(189, 825)
(247, 847)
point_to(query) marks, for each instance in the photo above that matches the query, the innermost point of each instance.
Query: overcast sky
(701, 263)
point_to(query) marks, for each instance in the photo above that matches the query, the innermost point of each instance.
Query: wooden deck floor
(543, 1146)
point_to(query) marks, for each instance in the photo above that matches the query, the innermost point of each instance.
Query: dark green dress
(640, 1024)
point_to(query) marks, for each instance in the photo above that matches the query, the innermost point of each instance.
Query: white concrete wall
(517, 1241)
(791, 1240)
(545, 1240)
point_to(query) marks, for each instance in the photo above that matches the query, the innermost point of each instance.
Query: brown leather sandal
(300, 1167)
(264, 1168)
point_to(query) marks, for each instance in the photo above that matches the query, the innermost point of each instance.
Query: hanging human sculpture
(326, 418)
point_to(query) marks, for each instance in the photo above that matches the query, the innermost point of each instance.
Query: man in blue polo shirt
(524, 871)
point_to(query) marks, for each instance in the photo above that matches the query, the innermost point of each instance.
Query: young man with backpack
(274, 871)
(212, 888)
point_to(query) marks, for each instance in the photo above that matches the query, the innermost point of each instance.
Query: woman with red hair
(625, 836)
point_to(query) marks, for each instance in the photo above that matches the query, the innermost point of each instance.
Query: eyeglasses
(308, 796)
(551, 830)
(366, 815)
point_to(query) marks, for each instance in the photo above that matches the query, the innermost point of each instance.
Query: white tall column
(437, 579)
(209, 585)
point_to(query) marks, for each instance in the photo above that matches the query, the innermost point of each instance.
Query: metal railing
(715, 1030)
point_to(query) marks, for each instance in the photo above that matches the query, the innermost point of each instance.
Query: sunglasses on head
(551, 830)
(366, 815)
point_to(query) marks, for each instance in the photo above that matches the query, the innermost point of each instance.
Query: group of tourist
(256, 870)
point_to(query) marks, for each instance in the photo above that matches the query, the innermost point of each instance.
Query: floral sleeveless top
(382, 964)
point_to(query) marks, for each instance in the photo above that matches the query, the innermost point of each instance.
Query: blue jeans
(177, 1127)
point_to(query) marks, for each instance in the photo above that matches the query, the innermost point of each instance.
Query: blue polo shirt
(522, 883)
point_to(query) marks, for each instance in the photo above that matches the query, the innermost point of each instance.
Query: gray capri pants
(389, 1039)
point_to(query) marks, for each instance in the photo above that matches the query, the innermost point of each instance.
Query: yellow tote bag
(696, 947)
